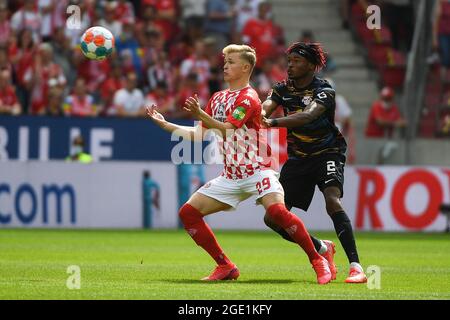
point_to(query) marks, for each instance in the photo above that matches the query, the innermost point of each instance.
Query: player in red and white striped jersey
(236, 114)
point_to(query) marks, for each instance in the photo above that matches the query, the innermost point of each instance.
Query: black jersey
(321, 136)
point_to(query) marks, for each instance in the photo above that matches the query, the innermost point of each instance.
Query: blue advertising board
(49, 138)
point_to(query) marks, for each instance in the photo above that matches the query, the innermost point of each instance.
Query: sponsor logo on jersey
(207, 185)
(219, 115)
(307, 100)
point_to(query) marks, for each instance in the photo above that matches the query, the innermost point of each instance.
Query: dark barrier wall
(46, 138)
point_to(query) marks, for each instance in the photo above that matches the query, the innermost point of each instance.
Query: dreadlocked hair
(313, 52)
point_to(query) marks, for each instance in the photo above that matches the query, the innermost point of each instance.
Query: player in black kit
(316, 149)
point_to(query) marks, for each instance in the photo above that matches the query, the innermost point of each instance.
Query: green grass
(167, 265)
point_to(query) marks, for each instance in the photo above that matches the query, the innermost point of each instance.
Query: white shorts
(232, 192)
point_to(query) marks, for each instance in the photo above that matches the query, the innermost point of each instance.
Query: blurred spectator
(147, 23)
(166, 17)
(197, 63)
(127, 46)
(55, 102)
(45, 73)
(384, 116)
(193, 15)
(161, 97)
(129, 101)
(190, 87)
(74, 34)
(9, 104)
(146, 27)
(263, 81)
(219, 17)
(27, 18)
(399, 16)
(5, 64)
(22, 59)
(180, 50)
(114, 82)
(212, 52)
(77, 152)
(279, 68)
(260, 33)
(245, 10)
(92, 71)
(109, 20)
(161, 71)
(152, 46)
(151, 198)
(79, 103)
(124, 11)
(215, 59)
(63, 53)
(441, 34)
(5, 25)
(43, 55)
(53, 15)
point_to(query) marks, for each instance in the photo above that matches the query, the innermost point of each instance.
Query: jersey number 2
(265, 183)
(331, 167)
(322, 95)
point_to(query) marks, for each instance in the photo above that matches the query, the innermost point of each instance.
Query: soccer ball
(97, 43)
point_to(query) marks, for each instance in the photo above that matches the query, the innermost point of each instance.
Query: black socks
(344, 231)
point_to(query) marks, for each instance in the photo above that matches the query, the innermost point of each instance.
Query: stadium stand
(154, 42)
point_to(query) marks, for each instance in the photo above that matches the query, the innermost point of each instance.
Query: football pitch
(156, 265)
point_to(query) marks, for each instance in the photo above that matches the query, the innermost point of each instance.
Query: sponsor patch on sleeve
(239, 113)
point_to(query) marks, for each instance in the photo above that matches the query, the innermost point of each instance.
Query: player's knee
(333, 204)
(188, 214)
(276, 213)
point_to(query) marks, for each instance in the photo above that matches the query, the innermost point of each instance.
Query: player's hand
(192, 105)
(263, 115)
(155, 116)
(267, 123)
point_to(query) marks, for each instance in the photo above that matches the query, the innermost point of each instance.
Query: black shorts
(299, 178)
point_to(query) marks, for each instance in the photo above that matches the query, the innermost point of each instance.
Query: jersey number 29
(265, 183)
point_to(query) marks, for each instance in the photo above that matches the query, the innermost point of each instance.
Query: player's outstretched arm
(192, 105)
(312, 112)
(190, 133)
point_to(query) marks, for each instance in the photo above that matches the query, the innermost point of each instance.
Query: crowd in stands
(165, 51)
(388, 47)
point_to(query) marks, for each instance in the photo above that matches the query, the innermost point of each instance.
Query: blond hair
(246, 53)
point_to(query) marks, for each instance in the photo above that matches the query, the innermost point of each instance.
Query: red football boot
(223, 272)
(329, 255)
(322, 270)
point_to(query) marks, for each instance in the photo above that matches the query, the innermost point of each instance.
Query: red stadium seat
(391, 65)
(377, 55)
(432, 100)
(382, 36)
(357, 13)
(376, 36)
(393, 76)
(445, 86)
(434, 88)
